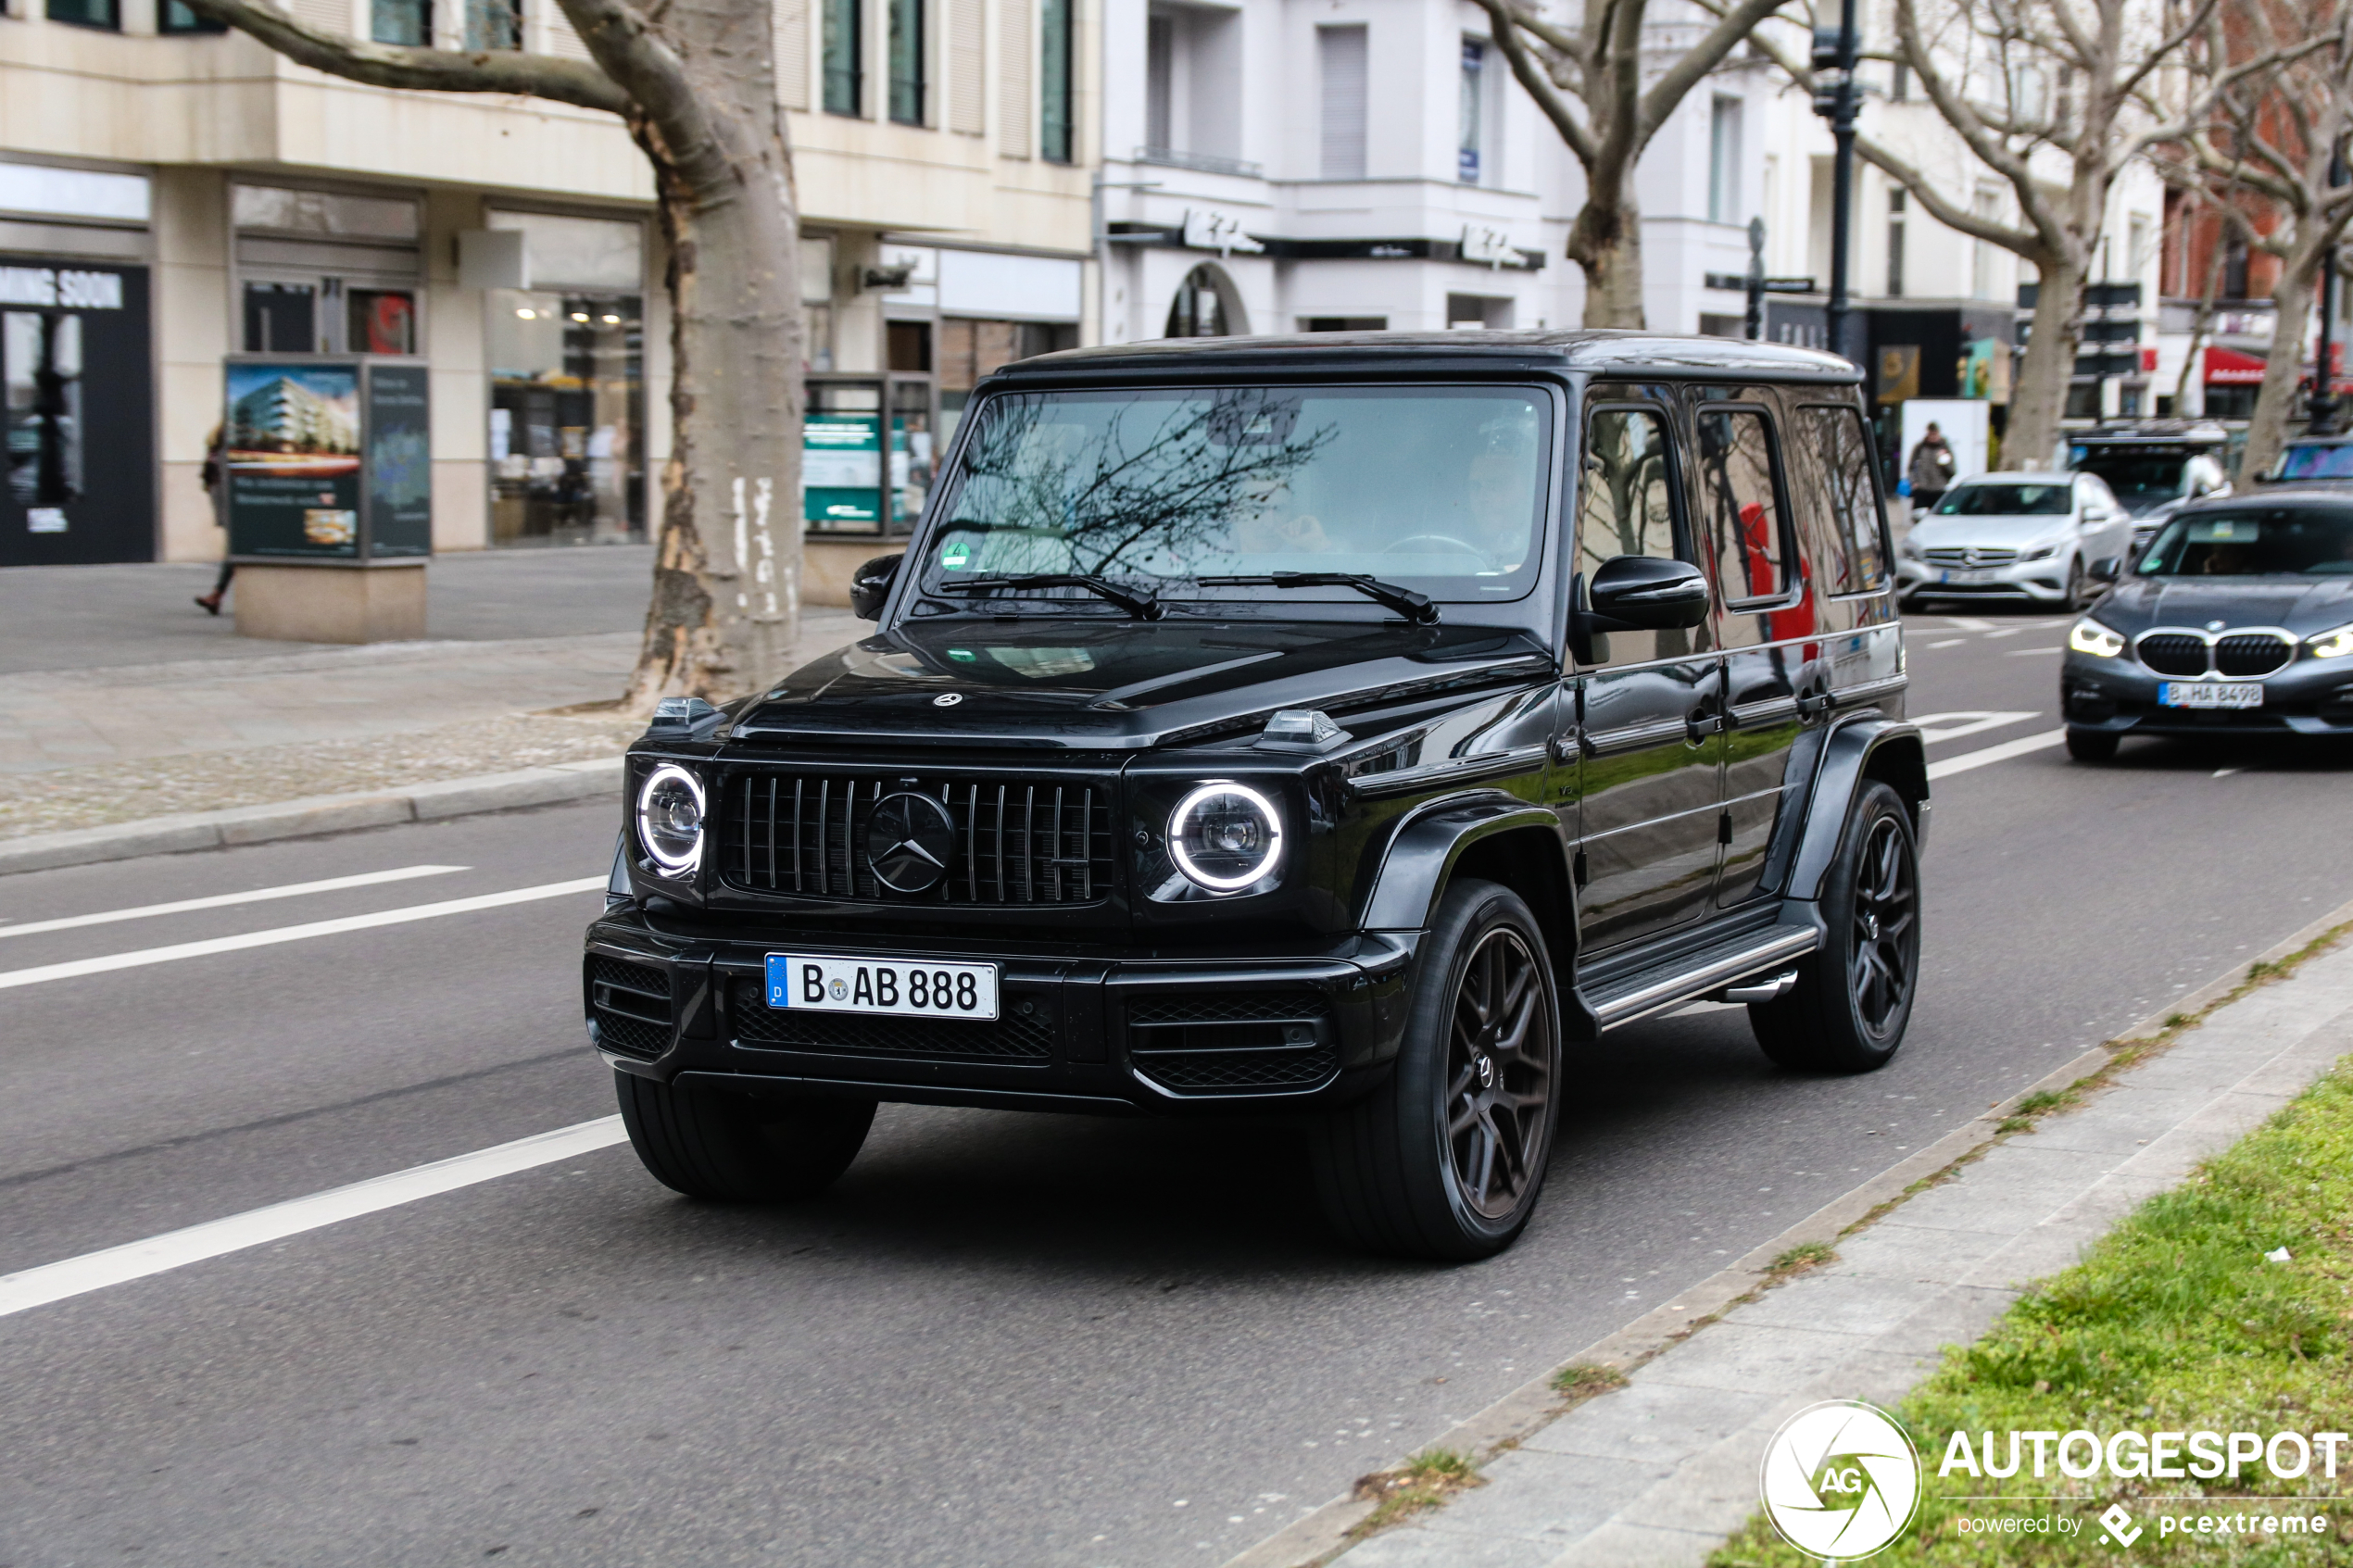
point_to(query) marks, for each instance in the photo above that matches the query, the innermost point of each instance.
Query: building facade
(174, 199)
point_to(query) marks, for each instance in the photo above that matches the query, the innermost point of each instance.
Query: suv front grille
(1014, 1036)
(2173, 653)
(1256, 1042)
(1025, 841)
(2256, 655)
(631, 1005)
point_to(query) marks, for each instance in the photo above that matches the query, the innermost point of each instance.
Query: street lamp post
(1756, 281)
(1834, 96)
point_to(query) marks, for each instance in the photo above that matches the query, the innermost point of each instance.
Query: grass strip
(2176, 1322)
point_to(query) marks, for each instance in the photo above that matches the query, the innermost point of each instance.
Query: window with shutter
(1340, 57)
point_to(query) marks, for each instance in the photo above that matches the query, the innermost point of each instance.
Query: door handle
(1702, 725)
(1574, 743)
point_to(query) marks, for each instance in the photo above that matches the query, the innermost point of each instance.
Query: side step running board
(1628, 997)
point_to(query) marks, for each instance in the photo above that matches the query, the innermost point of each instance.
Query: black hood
(2302, 605)
(1071, 682)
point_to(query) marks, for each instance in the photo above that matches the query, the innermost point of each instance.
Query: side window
(1851, 557)
(1626, 505)
(1740, 508)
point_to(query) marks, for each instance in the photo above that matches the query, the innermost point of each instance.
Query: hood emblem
(2216, 625)
(947, 699)
(909, 839)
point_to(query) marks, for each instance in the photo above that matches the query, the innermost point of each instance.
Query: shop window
(1343, 324)
(282, 318)
(107, 14)
(911, 347)
(841, 460)
(910, 453)
(379, 322)
(567, 418)
(844, 62)
(1205, 306)
(494, 24)
(401, 21)
(174, 17)
(907, 82)
(41, 362)
(325, 212)
(1055, 85)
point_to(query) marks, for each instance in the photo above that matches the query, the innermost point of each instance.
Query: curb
(312, 815)
(1323, 1533)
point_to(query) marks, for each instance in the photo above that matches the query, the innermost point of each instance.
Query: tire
(1445, 1159)
(2091, 745)
(1855, 993)
(737, 1148)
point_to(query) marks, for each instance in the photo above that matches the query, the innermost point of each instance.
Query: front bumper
(1117, 1033)
(2037, 581)
(2311, 696)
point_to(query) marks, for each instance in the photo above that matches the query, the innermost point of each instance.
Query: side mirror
(870, 585)
(1645, 593)
(2104, 569)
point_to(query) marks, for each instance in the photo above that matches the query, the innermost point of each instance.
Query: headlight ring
(1225, 837)
(2090, 636)
(670, 820)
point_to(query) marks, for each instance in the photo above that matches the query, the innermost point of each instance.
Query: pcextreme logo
(1840, 1479)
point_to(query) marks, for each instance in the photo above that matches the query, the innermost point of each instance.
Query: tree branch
(1697, 61)
(1539, 85)
(439, 71)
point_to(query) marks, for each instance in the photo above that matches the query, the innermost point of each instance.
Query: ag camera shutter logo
(1840, 1479)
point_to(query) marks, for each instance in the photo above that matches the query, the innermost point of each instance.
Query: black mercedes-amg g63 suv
(1357, 727)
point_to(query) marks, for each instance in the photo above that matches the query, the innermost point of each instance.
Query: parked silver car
(2029, 537)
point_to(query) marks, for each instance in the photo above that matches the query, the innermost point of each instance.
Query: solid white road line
(224, 900)
(2029, 653)
(74, 968)
(137, 1259)
(1936, 727)
(1960, 764)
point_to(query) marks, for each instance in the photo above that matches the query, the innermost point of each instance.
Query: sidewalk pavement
(1657, 1473)
(121, 702)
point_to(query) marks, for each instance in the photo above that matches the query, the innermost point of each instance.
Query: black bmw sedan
(2237, 619)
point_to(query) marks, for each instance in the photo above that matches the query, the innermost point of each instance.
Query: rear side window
(1842, 514)
(1626, 505)
(1741, 512)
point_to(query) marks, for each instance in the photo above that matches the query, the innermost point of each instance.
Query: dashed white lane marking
(224, 900)
(2023, 653)
(75, 968)
(1936, 727)
(1949, 643)
(173, 1249)
(1967, 623)
(2001, 753)
(2007, 632)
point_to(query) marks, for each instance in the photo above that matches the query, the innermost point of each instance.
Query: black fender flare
(1424, 850)
(1866, 748)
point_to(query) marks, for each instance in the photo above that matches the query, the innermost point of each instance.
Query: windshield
(2140, 481)
(1433, 488)
(2269, 541)
(2007, 500)
(2334, 461)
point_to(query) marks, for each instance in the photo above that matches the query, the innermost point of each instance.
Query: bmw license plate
(885, 987)
(2210, 694)
(1966, 578)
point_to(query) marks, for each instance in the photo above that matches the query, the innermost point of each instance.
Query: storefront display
(77, 413)
(327, 461)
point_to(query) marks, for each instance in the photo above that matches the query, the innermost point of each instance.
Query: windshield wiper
(1415, 608)
(1144, 605)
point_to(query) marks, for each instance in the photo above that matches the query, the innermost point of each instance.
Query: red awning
(2228, 367)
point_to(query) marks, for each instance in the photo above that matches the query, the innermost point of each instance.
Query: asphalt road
(1002, 1339)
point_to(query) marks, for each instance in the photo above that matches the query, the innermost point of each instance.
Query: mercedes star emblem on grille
(909, 839)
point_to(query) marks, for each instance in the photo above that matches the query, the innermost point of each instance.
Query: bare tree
(694, 80)
(2268, 142)
(2055, 98)
(1594, 83)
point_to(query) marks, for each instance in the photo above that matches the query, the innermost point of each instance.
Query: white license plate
(1966, 578)
(887, 988)
(2210, 694)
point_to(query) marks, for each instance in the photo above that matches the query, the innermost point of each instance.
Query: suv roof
(1590, 349)
(2168, 433)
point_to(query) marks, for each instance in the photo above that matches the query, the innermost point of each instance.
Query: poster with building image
(400, 468)
(292, 458)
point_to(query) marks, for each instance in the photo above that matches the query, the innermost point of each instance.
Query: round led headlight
(1225, 837)
(670, 820)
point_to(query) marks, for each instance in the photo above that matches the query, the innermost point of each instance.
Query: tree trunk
(1607, 243)
(725, 610)
(2039, 400)
(2276, 404)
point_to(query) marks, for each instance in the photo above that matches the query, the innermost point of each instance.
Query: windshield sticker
(956, 556)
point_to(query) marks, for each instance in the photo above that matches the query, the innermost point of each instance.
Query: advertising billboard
(327, 461)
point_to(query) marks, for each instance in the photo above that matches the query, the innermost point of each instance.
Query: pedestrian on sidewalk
(1930, 470)
(214, 476)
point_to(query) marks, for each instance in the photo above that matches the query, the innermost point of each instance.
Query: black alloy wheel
(1499, 1073)
(1855, 993)
(1445, 1158)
